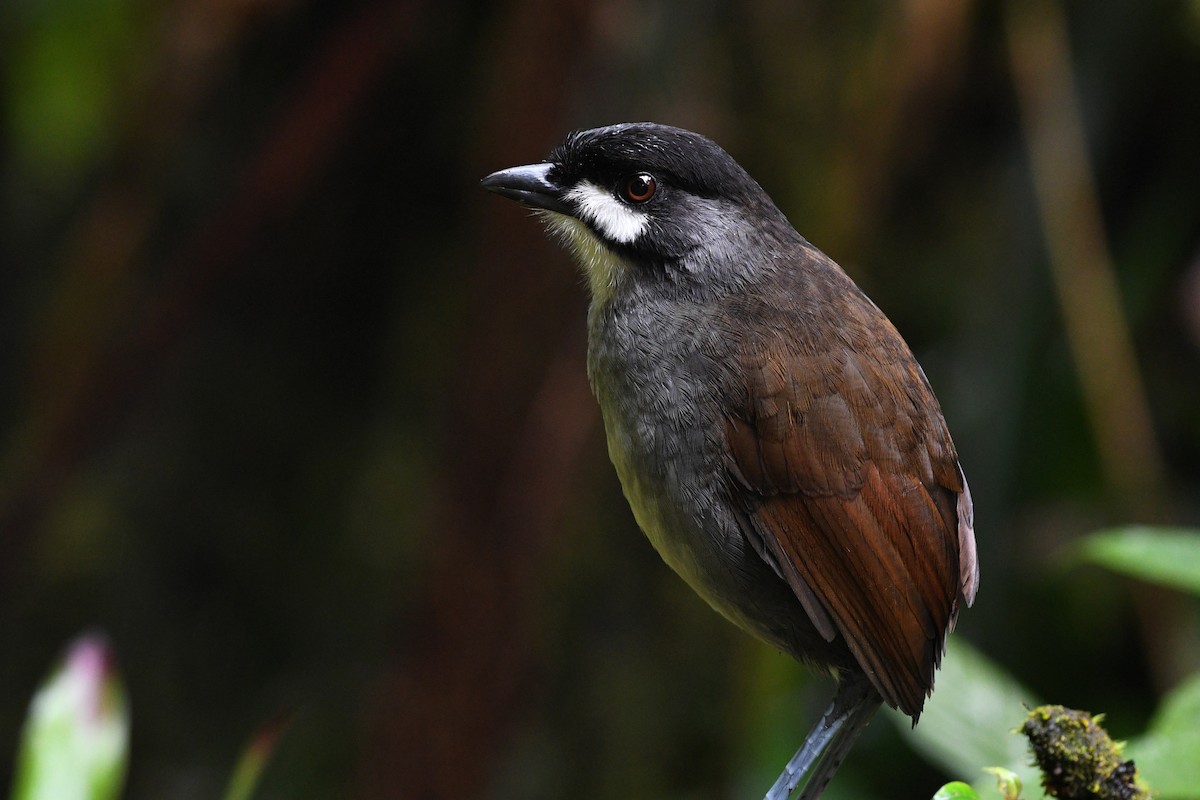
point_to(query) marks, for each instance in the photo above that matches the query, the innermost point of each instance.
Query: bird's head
(641, 202)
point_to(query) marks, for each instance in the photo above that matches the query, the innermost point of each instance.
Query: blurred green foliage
(1168, 753)
(67, 71)
(75, 741)
(970, 721)
(956, 790)
(298, 415)
(1167, 557)
(977, 708)
(1008, 783)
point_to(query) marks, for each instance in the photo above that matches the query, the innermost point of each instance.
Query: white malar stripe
(615, 220)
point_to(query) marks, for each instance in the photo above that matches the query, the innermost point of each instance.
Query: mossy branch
(1078, 759)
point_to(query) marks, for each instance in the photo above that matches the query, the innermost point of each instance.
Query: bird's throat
(603, 269)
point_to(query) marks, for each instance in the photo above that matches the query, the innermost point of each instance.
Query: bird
(774, 436)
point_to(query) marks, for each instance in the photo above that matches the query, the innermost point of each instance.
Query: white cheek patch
(614, 219)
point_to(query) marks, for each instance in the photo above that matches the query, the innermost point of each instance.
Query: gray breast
(654, 371)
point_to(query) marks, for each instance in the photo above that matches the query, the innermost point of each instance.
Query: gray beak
(529, 185)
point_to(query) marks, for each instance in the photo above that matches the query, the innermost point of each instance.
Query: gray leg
(829, 742)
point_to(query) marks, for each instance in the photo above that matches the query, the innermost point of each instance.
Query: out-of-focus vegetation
(973, 717)
(75, 741)
(297, 415)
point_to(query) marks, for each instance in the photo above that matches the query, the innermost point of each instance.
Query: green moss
(1078, 759)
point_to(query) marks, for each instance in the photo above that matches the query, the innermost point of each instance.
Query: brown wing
(855, 491)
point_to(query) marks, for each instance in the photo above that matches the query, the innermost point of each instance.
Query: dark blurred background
(297, 415)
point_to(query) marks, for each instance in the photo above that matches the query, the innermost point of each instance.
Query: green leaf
(248, 772)
(1180, 710)
(76, 736)
(1168, 556)
(1007, 782)
(956, 790)
(1168, 754)
(969, 721)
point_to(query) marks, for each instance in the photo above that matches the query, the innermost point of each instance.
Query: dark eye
(638, 188)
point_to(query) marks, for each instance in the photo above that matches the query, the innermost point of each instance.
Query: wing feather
(855, 493)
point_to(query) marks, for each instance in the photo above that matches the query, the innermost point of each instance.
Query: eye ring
(639, 188)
